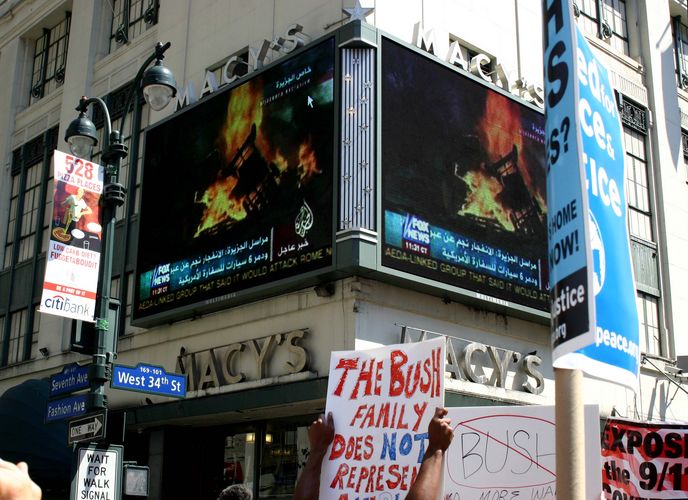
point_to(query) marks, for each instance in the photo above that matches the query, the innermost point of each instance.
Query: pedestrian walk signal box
(135, 479)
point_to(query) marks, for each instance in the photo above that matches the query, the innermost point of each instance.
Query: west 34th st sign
(149, 379)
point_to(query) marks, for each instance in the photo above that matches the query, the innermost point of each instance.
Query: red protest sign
(382, 401)
(644, 460)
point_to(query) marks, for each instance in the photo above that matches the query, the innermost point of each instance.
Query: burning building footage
(245, 197)
(476, 216)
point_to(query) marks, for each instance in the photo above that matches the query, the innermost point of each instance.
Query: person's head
(236, 492)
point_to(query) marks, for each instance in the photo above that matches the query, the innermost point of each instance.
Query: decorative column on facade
(357, 185)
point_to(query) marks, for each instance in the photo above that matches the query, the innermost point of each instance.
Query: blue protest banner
(615, 353)
(573, 311)
(585, 143)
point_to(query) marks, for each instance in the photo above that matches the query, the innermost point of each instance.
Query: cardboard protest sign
(504, 452)
(382, 401)
(644, 460)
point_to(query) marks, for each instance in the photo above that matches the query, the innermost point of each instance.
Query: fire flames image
(244, 145)
(463, 164)
(237, 188)
(489, 185)
(243, 160)
(480, 168)
(480, 201)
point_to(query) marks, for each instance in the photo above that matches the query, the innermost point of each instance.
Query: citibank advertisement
(73, 257)
(238, 189)
(463, 181)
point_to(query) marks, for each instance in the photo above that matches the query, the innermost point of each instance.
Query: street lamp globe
(81, 136)
(159, 86)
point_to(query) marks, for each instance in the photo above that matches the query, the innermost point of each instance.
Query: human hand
(440, 432)
(321, 434)
(15, 483)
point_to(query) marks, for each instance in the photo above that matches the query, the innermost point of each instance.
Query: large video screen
(463, 181)
(238, 189)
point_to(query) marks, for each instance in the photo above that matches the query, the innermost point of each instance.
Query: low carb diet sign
(381, 401)
(71, 271)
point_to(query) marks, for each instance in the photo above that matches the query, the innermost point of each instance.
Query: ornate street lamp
(159, 87)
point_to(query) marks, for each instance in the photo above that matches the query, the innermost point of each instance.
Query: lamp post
(158, 87)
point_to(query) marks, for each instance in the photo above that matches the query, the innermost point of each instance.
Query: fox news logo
(161, 276)
(416, 229)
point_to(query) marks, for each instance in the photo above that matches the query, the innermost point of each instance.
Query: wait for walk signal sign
(98, 472)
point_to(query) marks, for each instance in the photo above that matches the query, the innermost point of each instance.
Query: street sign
(72, 378)
(65, 408)
(149, 379)
(90, 427)
(97, 472)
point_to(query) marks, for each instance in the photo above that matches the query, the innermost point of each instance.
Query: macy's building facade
(330, 177)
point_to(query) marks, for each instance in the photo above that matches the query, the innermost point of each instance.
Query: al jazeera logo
(63, 304)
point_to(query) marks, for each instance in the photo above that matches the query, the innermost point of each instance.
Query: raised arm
(320, 435)
(440, 434)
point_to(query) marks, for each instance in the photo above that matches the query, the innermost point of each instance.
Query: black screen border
(420, 282)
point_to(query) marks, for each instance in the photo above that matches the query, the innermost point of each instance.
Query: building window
(31, 206)
(50, 59)
(130, 18)
(116, 101)
(648, 312)
(637, 187)
(36, 319)
(239, 459)
(128, 306)
(126, 303)
(604, 19)
(680, 32)
(684, 142)
(16, 343)
(640, 224)
(47, 212)
(28, 194)
(30, 211)
(12, 221)
(17, 333)
(284, 453)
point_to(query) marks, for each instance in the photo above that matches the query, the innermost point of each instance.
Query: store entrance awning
(24, 436)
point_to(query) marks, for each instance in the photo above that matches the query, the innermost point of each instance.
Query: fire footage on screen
(463, 181)
(237, 190)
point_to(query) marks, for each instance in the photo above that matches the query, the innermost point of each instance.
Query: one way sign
(89, 427)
